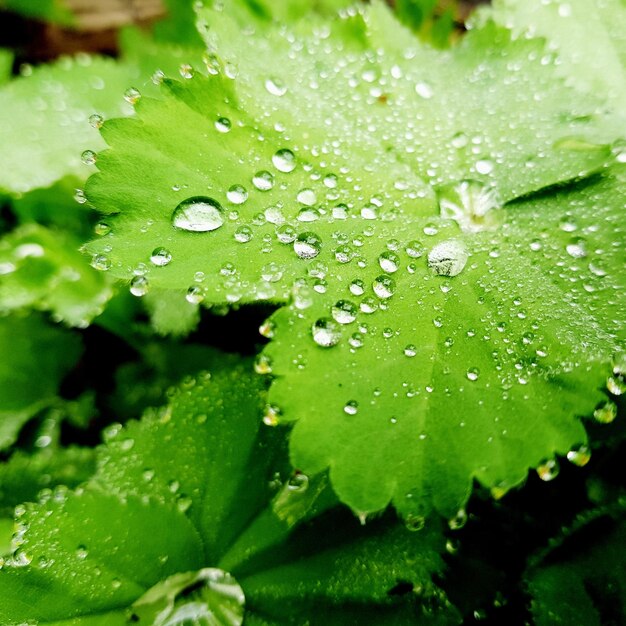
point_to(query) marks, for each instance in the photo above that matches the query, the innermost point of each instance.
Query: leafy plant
(431, 242)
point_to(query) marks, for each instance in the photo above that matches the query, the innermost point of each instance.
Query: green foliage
(146, 517)
(432, 243)
(580, 580)
(31, 384)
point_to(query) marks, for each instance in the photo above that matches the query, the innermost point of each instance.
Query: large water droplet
(210, 597)
(284, 161)
(326, 332)
(307, 245)
(263, 180)
(448, 258)
(471, 204)
(384, 286)
(344, 312)
(160, 257)
(198, 214)
(237, 194)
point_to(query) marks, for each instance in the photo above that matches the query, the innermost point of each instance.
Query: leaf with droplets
(23, 476)
(580, 579)
(42, 268)
(186, 516)
(29, 385)
(588, 36)
(455, 336)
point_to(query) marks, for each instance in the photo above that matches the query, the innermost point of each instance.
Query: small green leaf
(30, 384)
(580, 580)
(43, 269)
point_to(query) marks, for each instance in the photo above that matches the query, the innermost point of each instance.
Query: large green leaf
(430, 379)
(36, 357)
(194, 486)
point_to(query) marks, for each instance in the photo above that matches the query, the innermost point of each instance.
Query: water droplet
(414, 522)
(580, 455)
(271, 415)
(96, 121)
(548, 470)
(307, 245)
(351, 407)
(284, 161)
(389, 262)
(458, 521)
(384, 286)
(275, 86)
(160, 257)
(306, 197)
(237, 194)
(286, 233)
(263, 180)
(194, 295)
(576, 249)
(472, 373)
(326, 332)
(606, 413)
(357, 287)
(101, 262)
(88, 157)
(344, 312)
(132, 95)
(472, 204)
(263, 364)
(139, 286)
(243, 234)
(81, 553)
(448, 258)
(414, 249)
(424, 90)
(298, 482)
(198, 214)
(410, 350)
(484, 166)
(223, 124)
(186, 71)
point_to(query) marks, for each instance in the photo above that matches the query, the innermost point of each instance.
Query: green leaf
(43, 269)
(24, 476)
(187, 499)
(49, 10)
(588, 36)
(580, 580)
(6, 63)
(30, 384)
(430, 379)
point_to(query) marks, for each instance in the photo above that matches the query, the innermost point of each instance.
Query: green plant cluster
(313, 313)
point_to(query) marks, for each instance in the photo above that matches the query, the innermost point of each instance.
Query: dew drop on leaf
(139, 286)
(307, 245)
(326, 332)
(263, 180)
(223, 124)
(284, 161)
(344, 312)
(275, 86)
(160, 257)
(580, 456)
(548, 470)
(448, 258)
(351, 407)
(237, 194)
(384, 286)
(198, 214)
